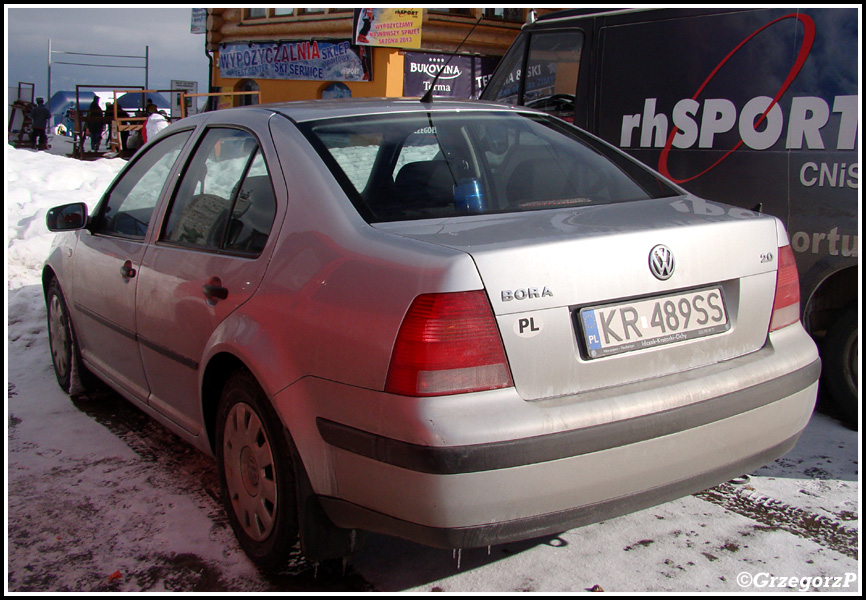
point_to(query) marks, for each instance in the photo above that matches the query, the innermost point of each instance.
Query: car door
(106, 263)
(207, 260)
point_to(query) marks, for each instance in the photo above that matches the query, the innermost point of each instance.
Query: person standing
(95, 124)
(156, 122)
(39, 117)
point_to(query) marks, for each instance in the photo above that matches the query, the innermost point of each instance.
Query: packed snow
(93, 507)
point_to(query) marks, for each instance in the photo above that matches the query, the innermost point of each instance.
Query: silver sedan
(457, 323)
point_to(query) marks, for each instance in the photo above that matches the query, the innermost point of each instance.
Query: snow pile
(36, 182)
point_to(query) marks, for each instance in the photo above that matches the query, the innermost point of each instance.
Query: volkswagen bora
(457, 323)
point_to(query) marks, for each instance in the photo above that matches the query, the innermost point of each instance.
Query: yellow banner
(388, 27)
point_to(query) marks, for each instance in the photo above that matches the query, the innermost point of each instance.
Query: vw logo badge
(661, 262)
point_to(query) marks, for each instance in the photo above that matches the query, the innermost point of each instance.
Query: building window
(504, 14)
(462, 12)
(248, 85)
(284, 12)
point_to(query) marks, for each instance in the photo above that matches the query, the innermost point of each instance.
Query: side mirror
(68, 217)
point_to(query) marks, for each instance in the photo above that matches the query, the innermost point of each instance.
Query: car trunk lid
(577, 302)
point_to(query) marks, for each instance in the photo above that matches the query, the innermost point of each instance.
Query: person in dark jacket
(39, 117)
(95, 124)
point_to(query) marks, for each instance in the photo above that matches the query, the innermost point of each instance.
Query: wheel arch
(47, 275)
(219, 369)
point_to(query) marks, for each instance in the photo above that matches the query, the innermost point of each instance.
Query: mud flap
(320, 539)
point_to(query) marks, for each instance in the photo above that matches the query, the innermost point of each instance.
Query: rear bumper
(349, 515)
(488, 468)
(453, 460)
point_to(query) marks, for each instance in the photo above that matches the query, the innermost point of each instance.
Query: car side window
(127, 210)
(552, 69)
(225, 200)
(551, 72)
(253, 211)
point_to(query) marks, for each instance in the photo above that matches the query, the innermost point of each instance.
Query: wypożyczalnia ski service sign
(314, 60)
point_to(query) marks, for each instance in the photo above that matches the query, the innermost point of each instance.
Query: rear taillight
(448, 344)
(786, 307)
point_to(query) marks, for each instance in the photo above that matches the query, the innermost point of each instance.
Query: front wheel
(256, 473)
(65, 357)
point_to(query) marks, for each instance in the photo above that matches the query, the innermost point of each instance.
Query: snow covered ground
(100, 498)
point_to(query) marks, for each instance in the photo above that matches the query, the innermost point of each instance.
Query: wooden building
(308, 53)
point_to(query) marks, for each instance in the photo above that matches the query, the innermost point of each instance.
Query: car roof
(313, 110)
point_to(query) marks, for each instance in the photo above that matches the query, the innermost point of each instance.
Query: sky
(174, 52)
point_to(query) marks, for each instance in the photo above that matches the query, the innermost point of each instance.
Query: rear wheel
(841, 365)
(256, 473)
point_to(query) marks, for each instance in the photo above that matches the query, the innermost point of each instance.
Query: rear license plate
(628, 326)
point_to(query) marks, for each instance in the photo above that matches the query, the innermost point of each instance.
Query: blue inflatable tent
(60, 105)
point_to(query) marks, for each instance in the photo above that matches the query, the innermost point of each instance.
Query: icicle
(459, 556)
(488, 550)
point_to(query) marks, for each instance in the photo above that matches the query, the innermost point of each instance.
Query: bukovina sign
(463, 77)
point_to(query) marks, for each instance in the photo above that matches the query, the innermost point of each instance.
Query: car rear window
(436, 164)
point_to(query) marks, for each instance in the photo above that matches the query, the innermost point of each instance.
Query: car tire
(841, 364)
(256, 473)
(71, 374)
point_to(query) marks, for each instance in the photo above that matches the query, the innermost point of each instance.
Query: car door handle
(127, 271)
(214, 290)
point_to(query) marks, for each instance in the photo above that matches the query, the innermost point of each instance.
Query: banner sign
(388, 27)
(463, 77)
(177, 88)
(336, 60)
(198, 21)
